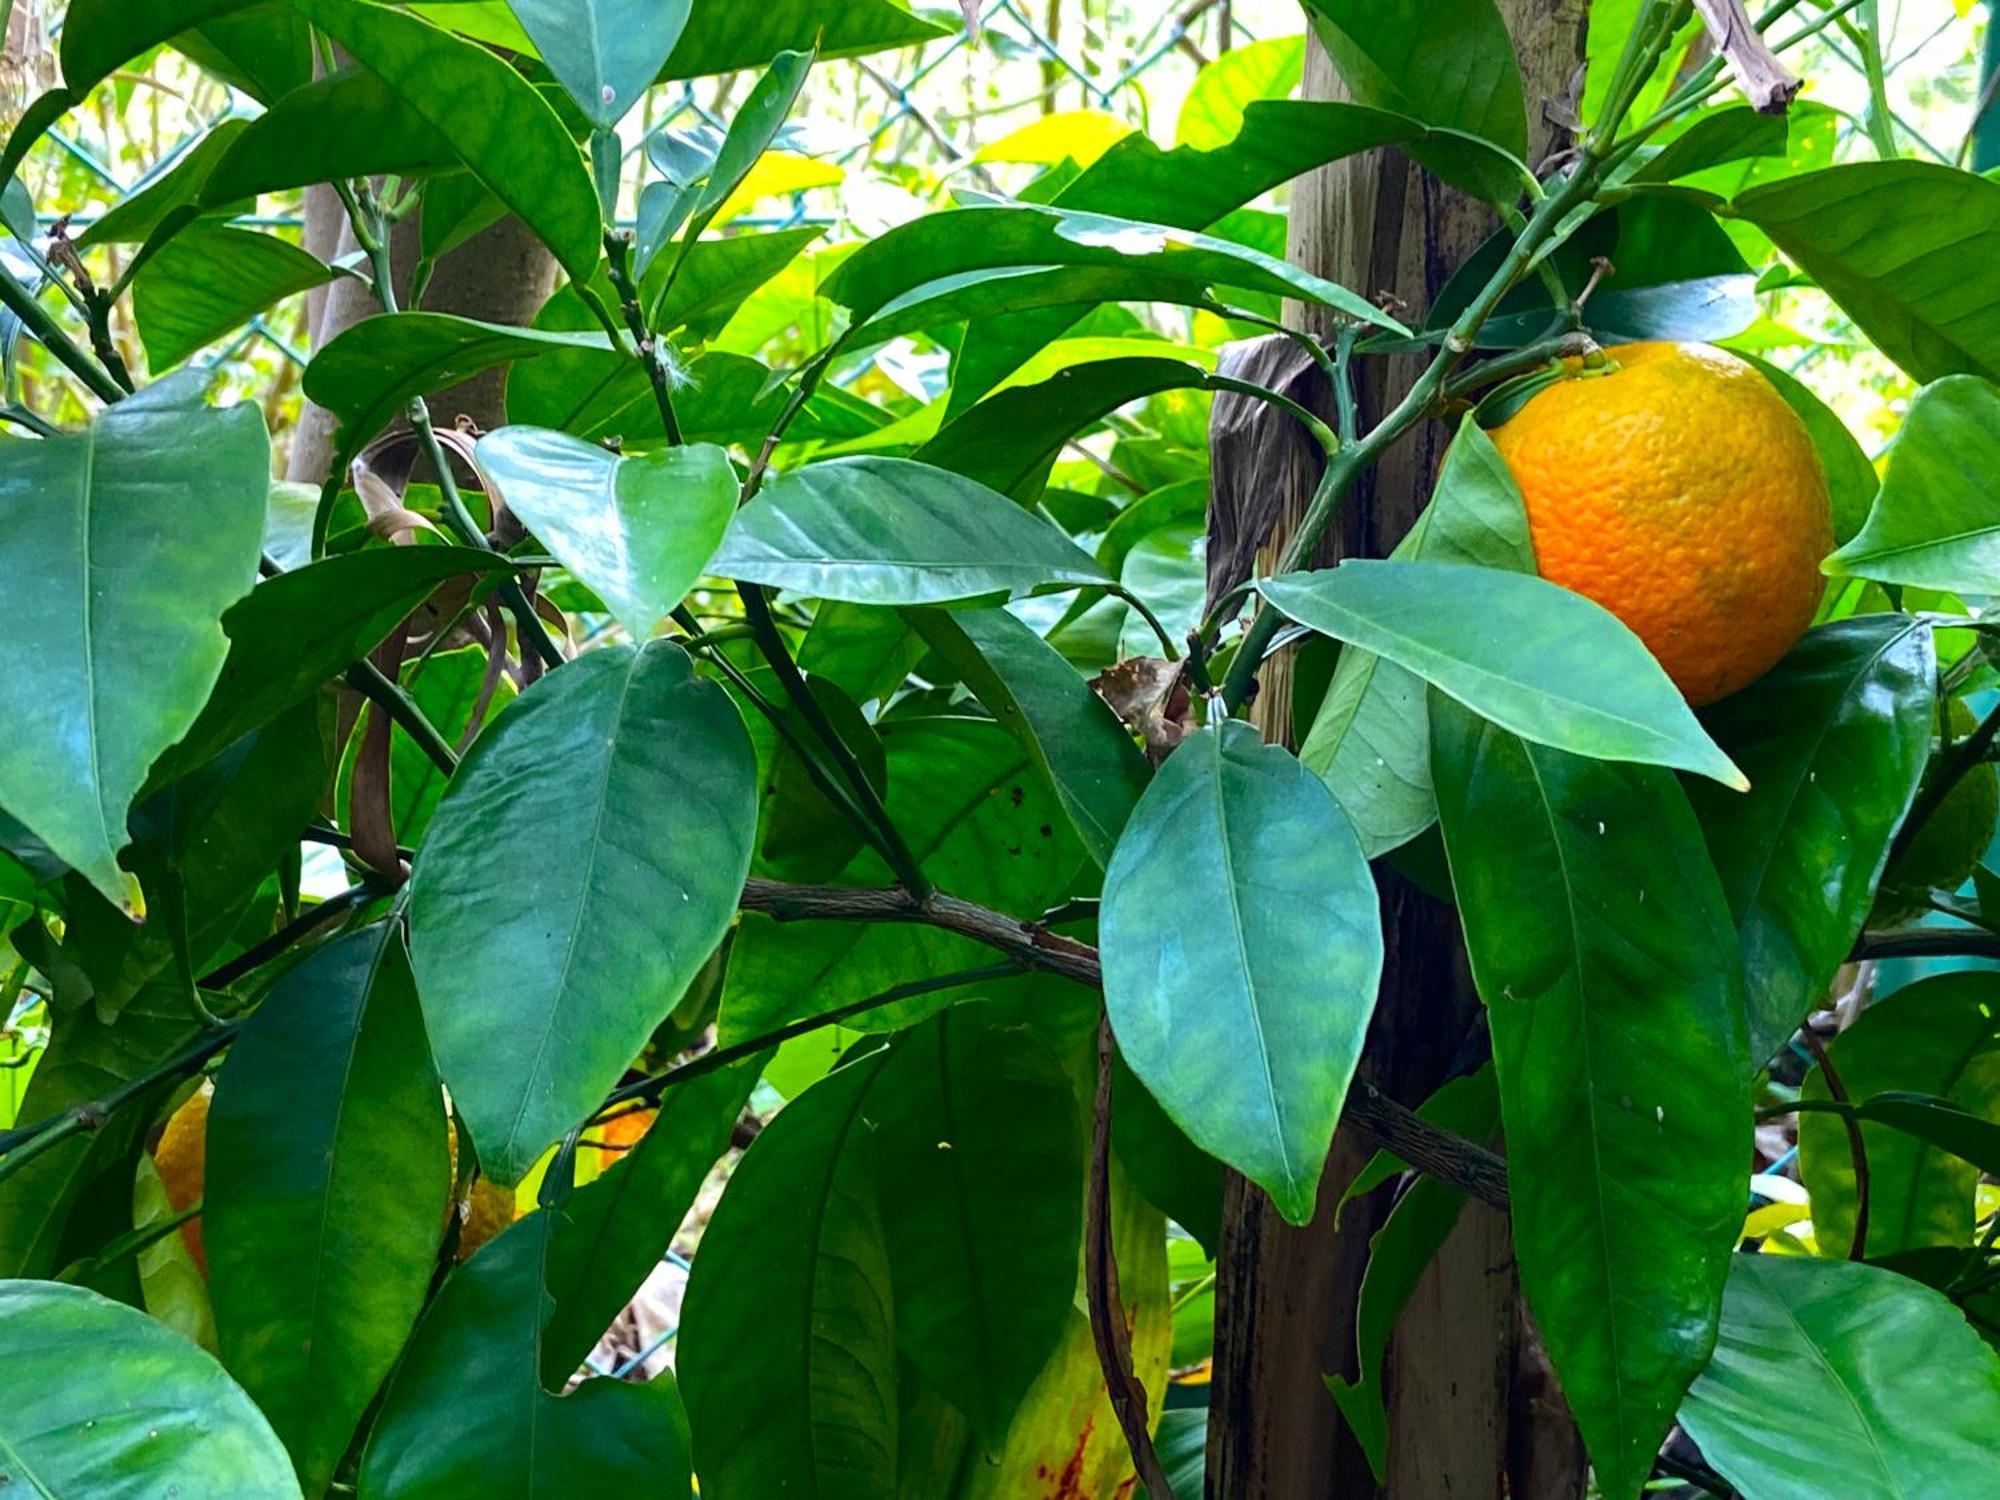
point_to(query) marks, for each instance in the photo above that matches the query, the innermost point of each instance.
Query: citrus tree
(717, 734)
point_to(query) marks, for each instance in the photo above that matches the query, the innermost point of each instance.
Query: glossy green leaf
(1176, 1176)
(788, 1340)
(1601, 943)
(1212, 113)
(134, 217)
(98, 36)
(503, 131)
(1851, 480)
(1889, 241)
(1190, 187)
(893, 531)
(1076, 741)
(1712, 137)
(1448, 63)
(998, 240)
(293, 632)
(637, 531)
(367, 373)
(751, 131)
(118, 597)
(806, 836)
(1936, 522)
(622, 1223)
(157, 1415)
(640, 846)
(984, 826)
(1834, 740)
(263, 49)
(349, 123)
(1370, 741)
(211, 281)
(1939, 1036)
(326, 1186)
(1565, 673)
(606, 53)
(1886, 1394)
(1009, 441)
(468, 1414)
(978, 1150)
(1942, 1123)
(1243, 1015)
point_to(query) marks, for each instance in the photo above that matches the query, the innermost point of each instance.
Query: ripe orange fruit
(1679, 491)
(623, 1132)
(182, 1161)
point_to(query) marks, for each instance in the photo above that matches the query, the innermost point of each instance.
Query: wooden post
(1472, 1414)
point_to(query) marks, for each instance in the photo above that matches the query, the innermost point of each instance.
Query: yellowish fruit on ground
(1679, 491)
(489, 1209)
(182, 1160)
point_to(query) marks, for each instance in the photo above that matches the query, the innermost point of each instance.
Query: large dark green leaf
(348, 124)
(1939, 1036)
(210, 282)
(982, 823)
(605, 52)
(979, 1168)
(624, 1221)
(894, 531)
(788, 1338)
(638, 531)
(1243, 1013)
(1370, 741)
(295, 631)
(1601, 943)
(1890, 241)
(1564, 673)
(1003, 239)
(1077, 742)
(503, 131)
(468, 1414)
(327, 1181)
(1834, 740)
(100, 35)
(1943, 1123)
(1448, 63)
(264, 49)
(366, 374)
(156, 1416)
(1886, 1394)
(585, 861)
(1936, 521)
(119, 550)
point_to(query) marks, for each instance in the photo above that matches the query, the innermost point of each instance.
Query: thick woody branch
(1404, 1133)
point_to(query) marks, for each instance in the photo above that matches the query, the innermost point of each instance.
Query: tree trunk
(501, 275)
(1472, 1412)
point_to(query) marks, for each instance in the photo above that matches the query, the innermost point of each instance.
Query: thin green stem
(1954, 764)
(1168, 648)
(888, 839)
(618, 254)
(650, 1089)
(1866, 37)
(39, 321)
(375, 685)
(1319, 431)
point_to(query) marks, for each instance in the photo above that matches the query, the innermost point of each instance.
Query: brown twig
(1858, 1250)
(1108, 1328)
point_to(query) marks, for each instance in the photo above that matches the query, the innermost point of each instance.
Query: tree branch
(1436, 1152)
